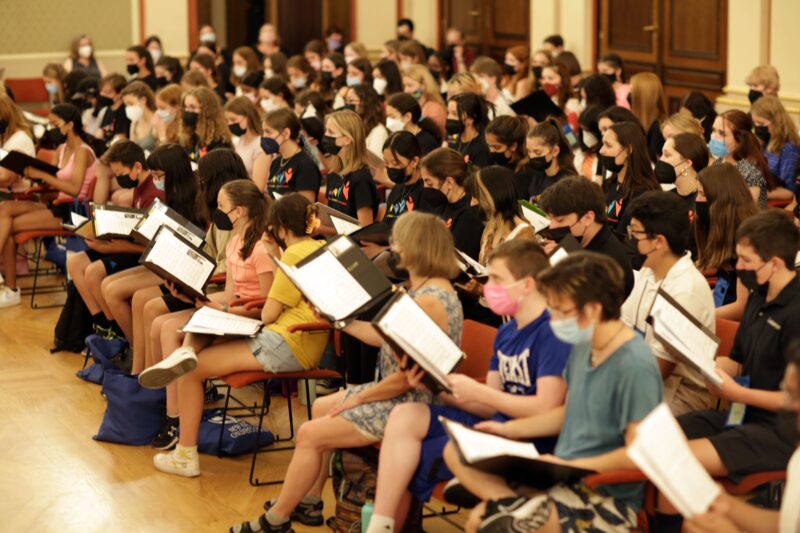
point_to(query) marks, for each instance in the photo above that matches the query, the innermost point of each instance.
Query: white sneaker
(10, 297)
(180, 362)
(180, 461)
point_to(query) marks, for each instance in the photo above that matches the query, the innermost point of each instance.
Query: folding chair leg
(222, 426)
(443, 514)
(37, 265)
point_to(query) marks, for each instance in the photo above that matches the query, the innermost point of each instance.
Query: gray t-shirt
(604, 400)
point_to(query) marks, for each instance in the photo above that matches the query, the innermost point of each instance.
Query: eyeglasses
(632, 232)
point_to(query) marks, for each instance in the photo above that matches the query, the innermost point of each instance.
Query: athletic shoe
(10, 297)
(457, 494)
(514, 515)
(309, 514)
(261, 525)
(180, 362)
(328, 386)
(180, 461)
(167, 438)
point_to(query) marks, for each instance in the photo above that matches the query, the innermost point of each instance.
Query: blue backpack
(105, 353)
(133, 414)
(238, 437)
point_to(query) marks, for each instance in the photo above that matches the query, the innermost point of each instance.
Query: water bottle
(366, 515)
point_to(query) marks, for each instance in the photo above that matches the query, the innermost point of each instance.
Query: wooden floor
(55, 477)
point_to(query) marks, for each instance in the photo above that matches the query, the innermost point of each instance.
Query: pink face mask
(500, 302)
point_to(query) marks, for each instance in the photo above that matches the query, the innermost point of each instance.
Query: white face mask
(352, 81)
(379, 84)
(85, 51)
(394, 124)
(208, 37)
(299, 83)
(164, 114)
(239, 70)
(269, 73)
(134, 112)
(155, 53)
(268, 105)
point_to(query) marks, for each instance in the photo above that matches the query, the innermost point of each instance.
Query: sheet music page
(344, 227)
(77, 219)
(420, 337)
(692, 342)
(158, 217)
(180, 260)
(538, 221)
(477, 267)
(477, 445)
(110, 222)
(277, 195)
(558, 255)
(330, 287)
(212, 321)
(661, 451)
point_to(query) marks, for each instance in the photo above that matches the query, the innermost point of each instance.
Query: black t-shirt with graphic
(352, 192)
(298, 173)
(465, 225)
(403, 199)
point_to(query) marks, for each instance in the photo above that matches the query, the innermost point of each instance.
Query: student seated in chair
(658, 230)
(524, 378)
(613, 383)
(747, 439)
(728, 514)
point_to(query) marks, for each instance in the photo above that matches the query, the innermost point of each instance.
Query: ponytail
(551, 134)
(244, 193)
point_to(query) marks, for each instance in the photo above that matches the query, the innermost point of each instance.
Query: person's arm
(365, 216)
(788, 165)
(728, 514)
(261, 171)
(114, 246)
(731, 367)
(735, 310)
(364, 331)
(755, 192)
(71, 187)
(271, 311)
(614, 460)
(546, 424)
(733, 392)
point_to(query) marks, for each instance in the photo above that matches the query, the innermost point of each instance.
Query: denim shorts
(272, 352)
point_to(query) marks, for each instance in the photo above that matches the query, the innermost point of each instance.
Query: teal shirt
(604, 400)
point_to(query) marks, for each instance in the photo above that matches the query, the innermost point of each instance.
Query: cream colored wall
(169, 19)
(375, 22)
(423, 13)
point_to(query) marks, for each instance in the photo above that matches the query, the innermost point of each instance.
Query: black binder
(188, 249)
(536, 473)
(174, 220)
(17, 162)
(355, 263)
(376, 233)
(435, 378)
(567, 245)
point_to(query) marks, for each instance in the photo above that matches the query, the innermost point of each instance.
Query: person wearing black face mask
(549, 157)
(575, 205)
(244, 123)
(291, 168)
(402, 154)
(467, 117)
(115, 122)
(505, 137)
(611, 66)
(766, 244)
(140, 65)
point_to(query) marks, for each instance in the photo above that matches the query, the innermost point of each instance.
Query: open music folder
(16, 162)
(338, 279)
(409, 330)
(661, 451)
(175, 259)
(470, 267)
(326, 215)
(160, 214)
(209, 321)
(514, 460)
(76, 222)
(684, 335)
(534, 214)
(112, 222)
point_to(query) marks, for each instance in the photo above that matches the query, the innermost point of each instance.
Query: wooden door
(683, 41)
(489, 27)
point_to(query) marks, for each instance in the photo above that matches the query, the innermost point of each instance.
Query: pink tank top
(66, 171)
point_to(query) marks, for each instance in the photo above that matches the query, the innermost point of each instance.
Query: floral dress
(370, 418)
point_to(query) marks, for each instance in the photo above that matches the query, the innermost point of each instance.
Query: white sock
(380, 524)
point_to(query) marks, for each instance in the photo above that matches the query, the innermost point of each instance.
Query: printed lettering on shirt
(514, 371)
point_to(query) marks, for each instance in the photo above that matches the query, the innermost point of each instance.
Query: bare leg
(400, 454)
(218, 360)
(484, 486)
(118, 290)
(76, 267)
(322, 407)
(95, 274)
(155, 313)
(169, 341)
(9, 212)
(314, 438)
(141, 344)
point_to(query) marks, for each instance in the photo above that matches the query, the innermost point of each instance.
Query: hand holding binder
(208, 321)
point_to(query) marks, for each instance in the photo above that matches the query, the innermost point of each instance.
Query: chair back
(726, 331)
(477, 342)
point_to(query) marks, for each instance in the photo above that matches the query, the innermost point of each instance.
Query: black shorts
(61, 211)
(173, 304)
(746, 449)
(114, 262)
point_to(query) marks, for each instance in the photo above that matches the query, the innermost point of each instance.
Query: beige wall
(169, 20)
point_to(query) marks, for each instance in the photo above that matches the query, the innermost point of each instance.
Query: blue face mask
(567, 330)
(161, 185)
(718, 148)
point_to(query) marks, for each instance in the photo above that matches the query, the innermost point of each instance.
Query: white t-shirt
(501, 107)
(21, 142)
(376, 138)
(790, 508)
(684, 390)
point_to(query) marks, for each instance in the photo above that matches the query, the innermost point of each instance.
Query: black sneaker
(328, 386)
(516, 515)
(457, 494)
(212, 394)
(167, 438)
(309, 514)
(261, 525)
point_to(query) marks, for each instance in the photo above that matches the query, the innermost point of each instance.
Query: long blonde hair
(463, 82)
(211, 123)
(421, 75)
(427, 245)
(353, 156)
(11, 113)
(647, 99)
(684, 122)
(783, 127)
